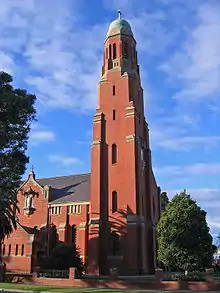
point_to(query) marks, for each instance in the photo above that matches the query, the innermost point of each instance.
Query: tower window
(114, 153)
(16, 249)
(125, 50)
(106, 53)
(110, 51)
(114, 201)
(114, 51)
(114, 114)
(22, 249)
(113, 90)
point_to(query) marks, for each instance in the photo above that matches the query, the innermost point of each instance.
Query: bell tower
(124, 195)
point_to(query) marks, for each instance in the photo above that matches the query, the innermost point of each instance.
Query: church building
(111, 213)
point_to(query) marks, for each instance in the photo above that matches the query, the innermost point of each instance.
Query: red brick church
(110, 214)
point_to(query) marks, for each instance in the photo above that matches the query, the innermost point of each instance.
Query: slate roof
(72, 188)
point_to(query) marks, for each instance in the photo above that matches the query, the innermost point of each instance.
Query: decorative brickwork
(110, 214)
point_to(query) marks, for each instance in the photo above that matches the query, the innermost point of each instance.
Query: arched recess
(114, 51)
(114, 201)
(114, 153)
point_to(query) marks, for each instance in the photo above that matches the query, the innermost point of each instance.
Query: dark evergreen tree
(184, 241)
(16, 114)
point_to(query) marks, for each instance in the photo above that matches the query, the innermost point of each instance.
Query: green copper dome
(119, 26)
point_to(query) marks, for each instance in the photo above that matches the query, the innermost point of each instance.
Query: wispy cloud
(195, 169)
(185, 143)
(196, 66)
(40, 134)
(64, 160)
(60, 55)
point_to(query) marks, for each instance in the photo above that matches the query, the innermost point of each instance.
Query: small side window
(114, 115)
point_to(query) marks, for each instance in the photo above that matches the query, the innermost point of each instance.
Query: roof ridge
(64, 176)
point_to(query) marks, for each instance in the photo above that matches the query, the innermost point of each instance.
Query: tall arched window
(74, 235)
(125, 50)
(106, 53)
(113, 90)
(114, 201)
(114, 51)
(9, 249)
(16, 249)
(114, 153)
(22, 249)
(110, 51)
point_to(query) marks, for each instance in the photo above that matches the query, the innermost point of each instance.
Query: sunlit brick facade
(112, 212)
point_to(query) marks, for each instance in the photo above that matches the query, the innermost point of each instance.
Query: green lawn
(62, 289)
(72, 290)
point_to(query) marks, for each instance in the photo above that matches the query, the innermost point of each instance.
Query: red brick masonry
(126, 283)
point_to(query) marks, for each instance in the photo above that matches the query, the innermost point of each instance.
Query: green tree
(184, 241)
(16, 114)
(63, 257)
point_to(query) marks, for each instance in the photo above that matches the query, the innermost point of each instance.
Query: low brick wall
(128, 283)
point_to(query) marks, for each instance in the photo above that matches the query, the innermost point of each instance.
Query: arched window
(113, 90)
(106, 53)
(110, 51)
(9, 249)
(22, 249)
(114, 153)
(114, 114)
(74, 235)
(114, 201)
(125, 50)
(116, 245)
(114, 51)
(16, 249)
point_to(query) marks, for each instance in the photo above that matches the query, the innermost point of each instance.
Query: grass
(62, 289)
(71, 290)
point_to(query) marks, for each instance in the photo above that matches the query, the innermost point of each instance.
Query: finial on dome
(119, 14)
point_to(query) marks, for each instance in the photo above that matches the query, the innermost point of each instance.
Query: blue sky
(54, 49)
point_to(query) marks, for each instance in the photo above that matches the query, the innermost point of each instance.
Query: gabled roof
(72, 188)
(27, 229)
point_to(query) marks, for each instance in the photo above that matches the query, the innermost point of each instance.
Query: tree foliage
(63, 257)
(184, 241)
(16, 114)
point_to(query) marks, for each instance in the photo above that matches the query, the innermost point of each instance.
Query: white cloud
(59, 58)
(6, 62)
(40, 134)
(196, 66)
(188, 143)
(64, 160)
(195, 169)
